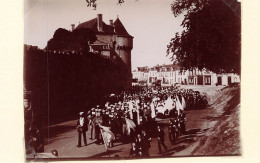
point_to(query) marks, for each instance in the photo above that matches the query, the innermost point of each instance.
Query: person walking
(160, 138)
(82, 127)
(146, 143)
(182, 123)
(91, 126)
(133, 150)
(139, 142)
(171, 132)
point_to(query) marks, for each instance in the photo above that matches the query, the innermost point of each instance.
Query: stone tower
(112, 39)
(124, 43)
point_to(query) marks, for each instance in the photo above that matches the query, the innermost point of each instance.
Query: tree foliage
(64, 83)
(78, 39)
(93, 3)
(210, 39)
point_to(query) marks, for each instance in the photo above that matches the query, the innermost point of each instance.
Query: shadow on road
(54, 139)
(193, 131)
(211, 118)
(106, 154)
(52, 132)
(174, 150)
(184, 141)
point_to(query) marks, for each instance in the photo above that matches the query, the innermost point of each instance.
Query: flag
(107, 135)
(168, 104)
(131, 107)
(183, 102)
(174, 104)
(129, 125)
(138, 114)
(152, 110)
(178, 105)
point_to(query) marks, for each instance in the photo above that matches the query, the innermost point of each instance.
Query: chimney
(99, 23)
(111, 22)
(72, 27)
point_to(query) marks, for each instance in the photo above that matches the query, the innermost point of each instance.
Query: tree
(93, 3)
(211, 36)
(76, 40)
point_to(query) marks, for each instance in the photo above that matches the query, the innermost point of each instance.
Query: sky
(150, 22)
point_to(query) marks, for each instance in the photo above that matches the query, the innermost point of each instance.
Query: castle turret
(124, 46)
(124, 43)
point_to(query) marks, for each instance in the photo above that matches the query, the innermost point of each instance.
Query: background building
(141, 74)
(172, 74)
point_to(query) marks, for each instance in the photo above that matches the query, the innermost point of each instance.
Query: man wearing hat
(91, 125)
(82, 126)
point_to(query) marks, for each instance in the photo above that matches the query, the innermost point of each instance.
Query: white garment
(81, 121)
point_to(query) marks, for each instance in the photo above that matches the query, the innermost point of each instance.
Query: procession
(130, 117)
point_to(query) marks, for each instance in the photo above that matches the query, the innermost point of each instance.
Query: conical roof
(120, 29)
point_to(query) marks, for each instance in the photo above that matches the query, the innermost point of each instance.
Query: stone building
(113, 40)
(172, 74)
(141, 74)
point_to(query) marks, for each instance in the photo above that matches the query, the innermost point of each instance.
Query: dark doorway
(229, 80)
(219, 80)
(200, 80)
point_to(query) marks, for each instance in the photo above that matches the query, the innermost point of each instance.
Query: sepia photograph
(131, 79)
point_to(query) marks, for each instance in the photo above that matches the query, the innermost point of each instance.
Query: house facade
(172, 74)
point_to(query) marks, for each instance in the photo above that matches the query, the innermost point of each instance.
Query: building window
(191, 81)
(207, 80)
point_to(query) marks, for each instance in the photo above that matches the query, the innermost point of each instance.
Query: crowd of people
(130, 117)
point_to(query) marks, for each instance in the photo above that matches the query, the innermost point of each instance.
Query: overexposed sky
(150, 22)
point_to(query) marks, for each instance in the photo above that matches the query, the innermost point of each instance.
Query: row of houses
(172, 74)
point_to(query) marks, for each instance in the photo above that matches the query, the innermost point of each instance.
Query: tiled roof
(143, 69)
(92, 24)
(168, 67)
(117, 28)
